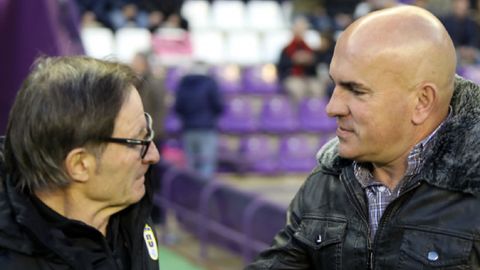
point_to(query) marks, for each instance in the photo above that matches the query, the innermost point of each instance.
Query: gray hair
(64, 103)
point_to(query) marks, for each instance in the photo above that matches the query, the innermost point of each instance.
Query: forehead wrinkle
(129, 119)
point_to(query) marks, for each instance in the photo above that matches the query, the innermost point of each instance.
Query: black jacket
(34, 237)
(433, 224)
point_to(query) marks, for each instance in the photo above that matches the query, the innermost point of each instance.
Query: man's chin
(346, 152)
(138, 189)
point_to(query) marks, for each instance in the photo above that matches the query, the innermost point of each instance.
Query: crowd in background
(302, 69)
(116, 14)
(328, 17)
(461, 17)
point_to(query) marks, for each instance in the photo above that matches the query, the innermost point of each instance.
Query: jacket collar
(453, 160)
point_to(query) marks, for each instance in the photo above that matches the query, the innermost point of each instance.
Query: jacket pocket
(323, 237)
(434, 250)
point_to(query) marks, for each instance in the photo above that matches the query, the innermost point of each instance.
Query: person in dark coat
(464, 31)
(73, 189)
(199, 104)
(399, 186)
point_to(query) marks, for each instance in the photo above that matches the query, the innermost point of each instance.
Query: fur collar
(454, 159)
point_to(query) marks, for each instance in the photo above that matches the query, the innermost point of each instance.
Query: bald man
(399, 186)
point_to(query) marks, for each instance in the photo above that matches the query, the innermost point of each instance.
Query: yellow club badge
(150, 241)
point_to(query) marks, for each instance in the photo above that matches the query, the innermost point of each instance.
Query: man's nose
(336, 105)
(152, 156)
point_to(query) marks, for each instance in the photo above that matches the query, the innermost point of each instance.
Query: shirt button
(381, 189)
(432, 256)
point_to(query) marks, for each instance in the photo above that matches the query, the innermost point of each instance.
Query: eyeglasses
(144, 143)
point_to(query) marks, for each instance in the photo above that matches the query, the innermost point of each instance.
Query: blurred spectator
(165, 13)
(440, 8)
(128, 13)
(335, 7)
(341, 11)
(464, 31)
(297, 65)
(315, 12)
(199, 104)
(153, 94)
(324, 57)
(321, 21)
(476, 11)
(94, 12)
(305, 7)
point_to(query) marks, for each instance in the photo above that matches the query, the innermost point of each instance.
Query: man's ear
(80, 164)
(426, 98)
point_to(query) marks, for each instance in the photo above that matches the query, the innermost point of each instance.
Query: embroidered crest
(151, 242)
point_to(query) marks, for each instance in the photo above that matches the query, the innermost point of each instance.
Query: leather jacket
(433, 224)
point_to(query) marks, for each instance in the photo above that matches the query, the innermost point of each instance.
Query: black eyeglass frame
(144, 143)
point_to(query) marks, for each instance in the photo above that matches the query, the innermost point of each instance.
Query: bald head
(408, 42)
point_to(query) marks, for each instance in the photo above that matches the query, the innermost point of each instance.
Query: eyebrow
(351, 84)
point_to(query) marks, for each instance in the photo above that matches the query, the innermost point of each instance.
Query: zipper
(389, 210)
(385, 216)
(370, 259)
(364, 216)
(370, 249)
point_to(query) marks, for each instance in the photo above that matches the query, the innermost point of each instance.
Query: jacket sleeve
(11, 260)
(286, 252)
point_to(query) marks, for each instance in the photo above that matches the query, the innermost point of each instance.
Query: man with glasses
(74, 194)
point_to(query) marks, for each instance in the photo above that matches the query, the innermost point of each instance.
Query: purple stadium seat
(228, 78)
(260, 79)
(313, 118)
(239, 117)
(278, 115)
(229, 158)
(297, 153)
(260, 152)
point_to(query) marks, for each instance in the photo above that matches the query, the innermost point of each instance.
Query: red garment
(296, 45)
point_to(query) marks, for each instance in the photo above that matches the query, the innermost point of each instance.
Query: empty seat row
(173, 46)
(259, 153)
(102, 43)
(258, 79)
(272, 154)
(273, 114)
